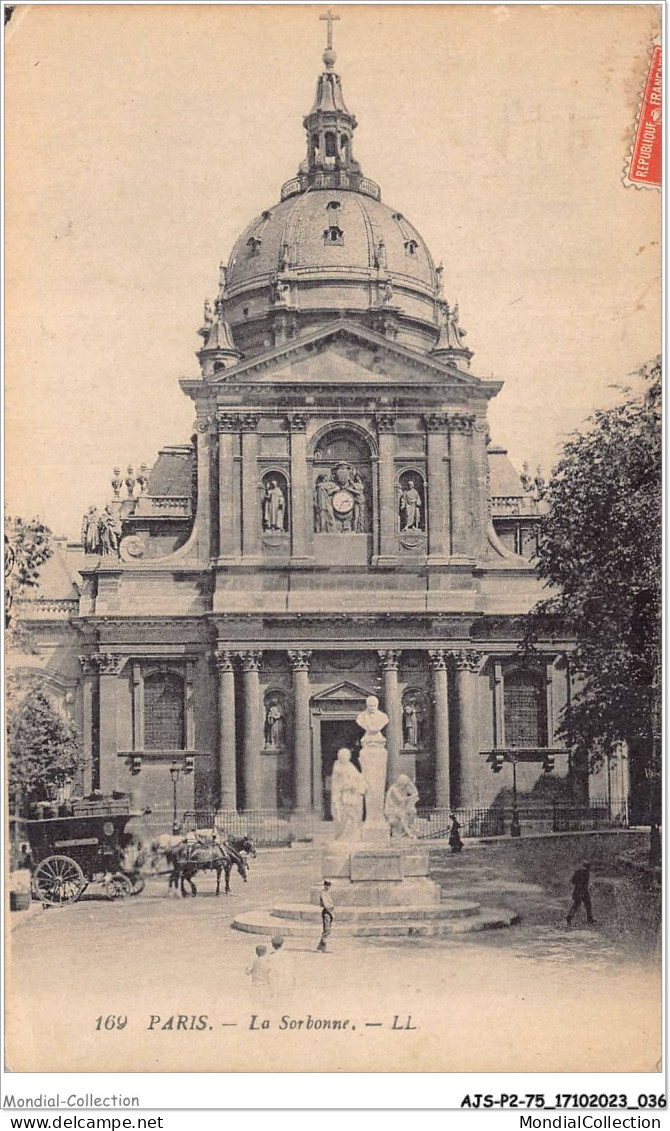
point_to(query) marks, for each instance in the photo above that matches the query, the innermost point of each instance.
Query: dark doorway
(334, 734)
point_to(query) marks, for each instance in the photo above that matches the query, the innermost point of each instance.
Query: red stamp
(645, 161)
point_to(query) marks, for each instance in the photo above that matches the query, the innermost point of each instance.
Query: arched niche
(275, 719)
(342, 480)
(411, 516)
(274, 502)
(415, 719)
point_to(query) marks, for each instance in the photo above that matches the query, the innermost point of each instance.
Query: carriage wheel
(138, 883)
(58, 880)
(118, 886)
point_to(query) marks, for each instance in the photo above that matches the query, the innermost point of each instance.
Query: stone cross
(330, 19)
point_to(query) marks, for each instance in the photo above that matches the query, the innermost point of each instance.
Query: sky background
(140, 140)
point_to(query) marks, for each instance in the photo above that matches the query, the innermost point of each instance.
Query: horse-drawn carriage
(90, 845)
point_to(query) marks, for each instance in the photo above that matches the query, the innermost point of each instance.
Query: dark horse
(220, 856)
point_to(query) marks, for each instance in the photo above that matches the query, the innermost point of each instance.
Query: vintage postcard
(304, 309)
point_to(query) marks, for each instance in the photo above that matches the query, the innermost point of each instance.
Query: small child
(260, 973)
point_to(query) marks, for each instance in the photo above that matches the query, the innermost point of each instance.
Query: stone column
(467, 662)
(480, 487)
(498, 706)
(301, 525)
(438, 488)
(390, 659)
(251, 517)
(387, 495)
(460, 442)
(229, 521)
(549, 692)
(109, 666)
(203, 517)
(438, 660)
(251, 754)
(302, 748)
(89, 671)
(227, 746)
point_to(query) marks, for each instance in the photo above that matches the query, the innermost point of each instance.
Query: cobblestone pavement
(538, 996)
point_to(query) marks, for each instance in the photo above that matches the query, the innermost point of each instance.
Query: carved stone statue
(282, 292)
(347, 791)
(410, 724)
(357, 488)
(323, 503)
(274, 507)
(410, 507)
(400, 807)
(274, 725)
(90, 531)
(110, 532)
(526, 477)
(540, 484)
(373, 761)
(387, 292)
(208, 313)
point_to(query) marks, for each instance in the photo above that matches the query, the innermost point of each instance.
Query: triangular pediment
(348, 354)
(343, 691)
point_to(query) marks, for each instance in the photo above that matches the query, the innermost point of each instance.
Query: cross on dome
(329, 55)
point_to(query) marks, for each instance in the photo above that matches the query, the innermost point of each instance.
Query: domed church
(339, 525)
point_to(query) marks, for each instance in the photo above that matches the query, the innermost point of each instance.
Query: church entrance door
(334, 734)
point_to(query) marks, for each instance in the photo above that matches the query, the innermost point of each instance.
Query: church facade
(339, 525)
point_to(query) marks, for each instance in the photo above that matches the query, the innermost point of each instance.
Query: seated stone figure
(400, 807)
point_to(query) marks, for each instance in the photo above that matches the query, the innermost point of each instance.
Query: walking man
(581, 893)
(326, 901)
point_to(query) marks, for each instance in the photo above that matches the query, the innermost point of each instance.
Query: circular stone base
(271, 923)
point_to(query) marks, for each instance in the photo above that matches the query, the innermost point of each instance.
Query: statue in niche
(90, 531)
(324, 490)
(400, 807)
(110, 532)
(346, 799)
(410, 724)
(274, 725)
(274, 507)
(410, 507)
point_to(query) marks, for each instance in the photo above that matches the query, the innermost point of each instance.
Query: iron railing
(557, 817)
(267, 827)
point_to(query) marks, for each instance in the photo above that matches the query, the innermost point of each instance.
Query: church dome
(330, 249)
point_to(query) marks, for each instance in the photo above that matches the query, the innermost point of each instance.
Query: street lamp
(175, 771)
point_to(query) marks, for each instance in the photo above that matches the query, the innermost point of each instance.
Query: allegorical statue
(410, 724)
(526, 477)
(410, 507)
(400, 807)
(110, 531)
(323, 503)
(357, 488)
(274, 507)
(373, 761)
(274, 725)
(348, 787)
(90, 531)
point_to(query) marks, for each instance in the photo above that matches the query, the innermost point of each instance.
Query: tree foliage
(27, 548)
(601, 548)
(44, 750)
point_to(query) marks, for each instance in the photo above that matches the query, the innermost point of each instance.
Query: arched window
(164, 711)
(411, 247)
(525, 709)
(253, 245)
(331, 145)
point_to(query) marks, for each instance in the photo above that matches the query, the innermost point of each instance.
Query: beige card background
(140, 141)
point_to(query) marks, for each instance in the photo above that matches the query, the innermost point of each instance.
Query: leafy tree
(44, 750)
(600, 546)
(27, 548)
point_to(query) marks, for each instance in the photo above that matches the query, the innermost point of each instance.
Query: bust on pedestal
(373, 758)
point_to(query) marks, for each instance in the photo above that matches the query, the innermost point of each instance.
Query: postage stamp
(644, 166)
